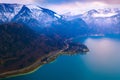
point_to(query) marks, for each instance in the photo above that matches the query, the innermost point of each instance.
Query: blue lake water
(101, 63)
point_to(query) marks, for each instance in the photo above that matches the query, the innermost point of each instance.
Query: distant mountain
(102, 12)
(101, 21)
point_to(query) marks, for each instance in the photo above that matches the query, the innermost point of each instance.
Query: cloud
(76, 7)
(18, 1)
(58, 1)
(81, 1)
(108, 1)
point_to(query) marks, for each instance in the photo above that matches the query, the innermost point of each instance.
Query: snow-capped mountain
(101, 20)
(42, 20)
(101, 15)
(8, 11)
(28, 14)
(102, 12)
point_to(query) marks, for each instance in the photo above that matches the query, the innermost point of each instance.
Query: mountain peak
(24, 10)
(108, 12)
(8, 7)
(27, 14)
(8, 11)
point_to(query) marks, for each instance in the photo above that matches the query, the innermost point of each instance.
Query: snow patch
(30, 6)
(104, 15)
(57, 15)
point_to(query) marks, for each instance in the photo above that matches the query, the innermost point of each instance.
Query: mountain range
(27, 14)
(101, 21)
(37, 18)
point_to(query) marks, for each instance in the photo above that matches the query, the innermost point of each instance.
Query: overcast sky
(64, 6)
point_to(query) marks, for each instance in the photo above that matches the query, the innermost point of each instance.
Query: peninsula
(22, 50)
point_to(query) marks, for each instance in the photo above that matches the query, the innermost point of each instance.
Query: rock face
(30, 35)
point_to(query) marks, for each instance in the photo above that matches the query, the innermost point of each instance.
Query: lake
(101, 63)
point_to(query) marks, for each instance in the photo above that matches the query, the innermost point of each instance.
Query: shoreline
(27, 70)
(33, 67)
(36, 65)
(32, 71)
(22, 74)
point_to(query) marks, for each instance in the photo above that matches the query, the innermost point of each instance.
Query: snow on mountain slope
(8, 11)
(45, 20)
(103, 19)
(28, 14)
(100, 21)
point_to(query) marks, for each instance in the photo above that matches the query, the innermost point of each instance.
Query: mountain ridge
(10, 11)
(101, 21)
